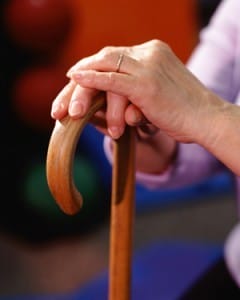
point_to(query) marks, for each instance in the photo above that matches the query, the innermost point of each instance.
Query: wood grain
(59, 170)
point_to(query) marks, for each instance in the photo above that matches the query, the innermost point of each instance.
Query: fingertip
(68, 74)
(70, 71)
(133, 116)
(76, 109)
(115, 131)
(58, 110)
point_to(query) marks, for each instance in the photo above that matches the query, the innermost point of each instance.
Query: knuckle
(160, 44)
(162, 48)
(105, 53)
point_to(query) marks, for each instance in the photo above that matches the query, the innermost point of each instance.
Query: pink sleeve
(193, 163)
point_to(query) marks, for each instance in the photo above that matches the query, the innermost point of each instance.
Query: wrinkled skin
(152, 90)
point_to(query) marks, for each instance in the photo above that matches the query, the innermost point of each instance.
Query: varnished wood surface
(59, 171)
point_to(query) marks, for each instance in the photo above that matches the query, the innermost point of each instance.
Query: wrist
(221, 132)
(209, 123)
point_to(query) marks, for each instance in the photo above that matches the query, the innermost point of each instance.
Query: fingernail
(76, 76)
(75, 109)
(115, 132)
(69, 72)
(56, 110)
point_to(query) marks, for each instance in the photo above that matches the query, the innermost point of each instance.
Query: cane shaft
(59, 167)
(122, 216)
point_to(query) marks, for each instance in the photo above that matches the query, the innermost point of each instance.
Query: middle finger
(115, 115)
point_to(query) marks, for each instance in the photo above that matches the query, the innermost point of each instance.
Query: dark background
(204, 212)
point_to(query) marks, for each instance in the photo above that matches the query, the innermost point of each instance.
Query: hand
(153, 79)
(151, 84)
(154, 151)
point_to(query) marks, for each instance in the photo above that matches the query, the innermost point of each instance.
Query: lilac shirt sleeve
(214, 59)
(193, 163)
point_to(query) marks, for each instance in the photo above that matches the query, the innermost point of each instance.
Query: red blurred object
(38, 25)
(33, 94)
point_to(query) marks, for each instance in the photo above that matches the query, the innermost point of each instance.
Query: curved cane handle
(59, 166)
(60, 158)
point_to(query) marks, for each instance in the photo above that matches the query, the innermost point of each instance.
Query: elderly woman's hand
(148, 84)
(159, 87)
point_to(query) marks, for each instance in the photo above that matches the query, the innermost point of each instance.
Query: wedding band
(120, 60)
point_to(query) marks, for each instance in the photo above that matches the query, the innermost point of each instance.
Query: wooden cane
(59, 171)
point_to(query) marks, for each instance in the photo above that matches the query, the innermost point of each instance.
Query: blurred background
(43, 251)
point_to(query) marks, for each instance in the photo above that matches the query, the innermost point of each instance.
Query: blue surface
(217, 185)
(162, 270)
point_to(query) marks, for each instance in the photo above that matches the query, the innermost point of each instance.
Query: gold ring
(120, 60)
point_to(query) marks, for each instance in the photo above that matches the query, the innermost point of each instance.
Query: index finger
(61, 102)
